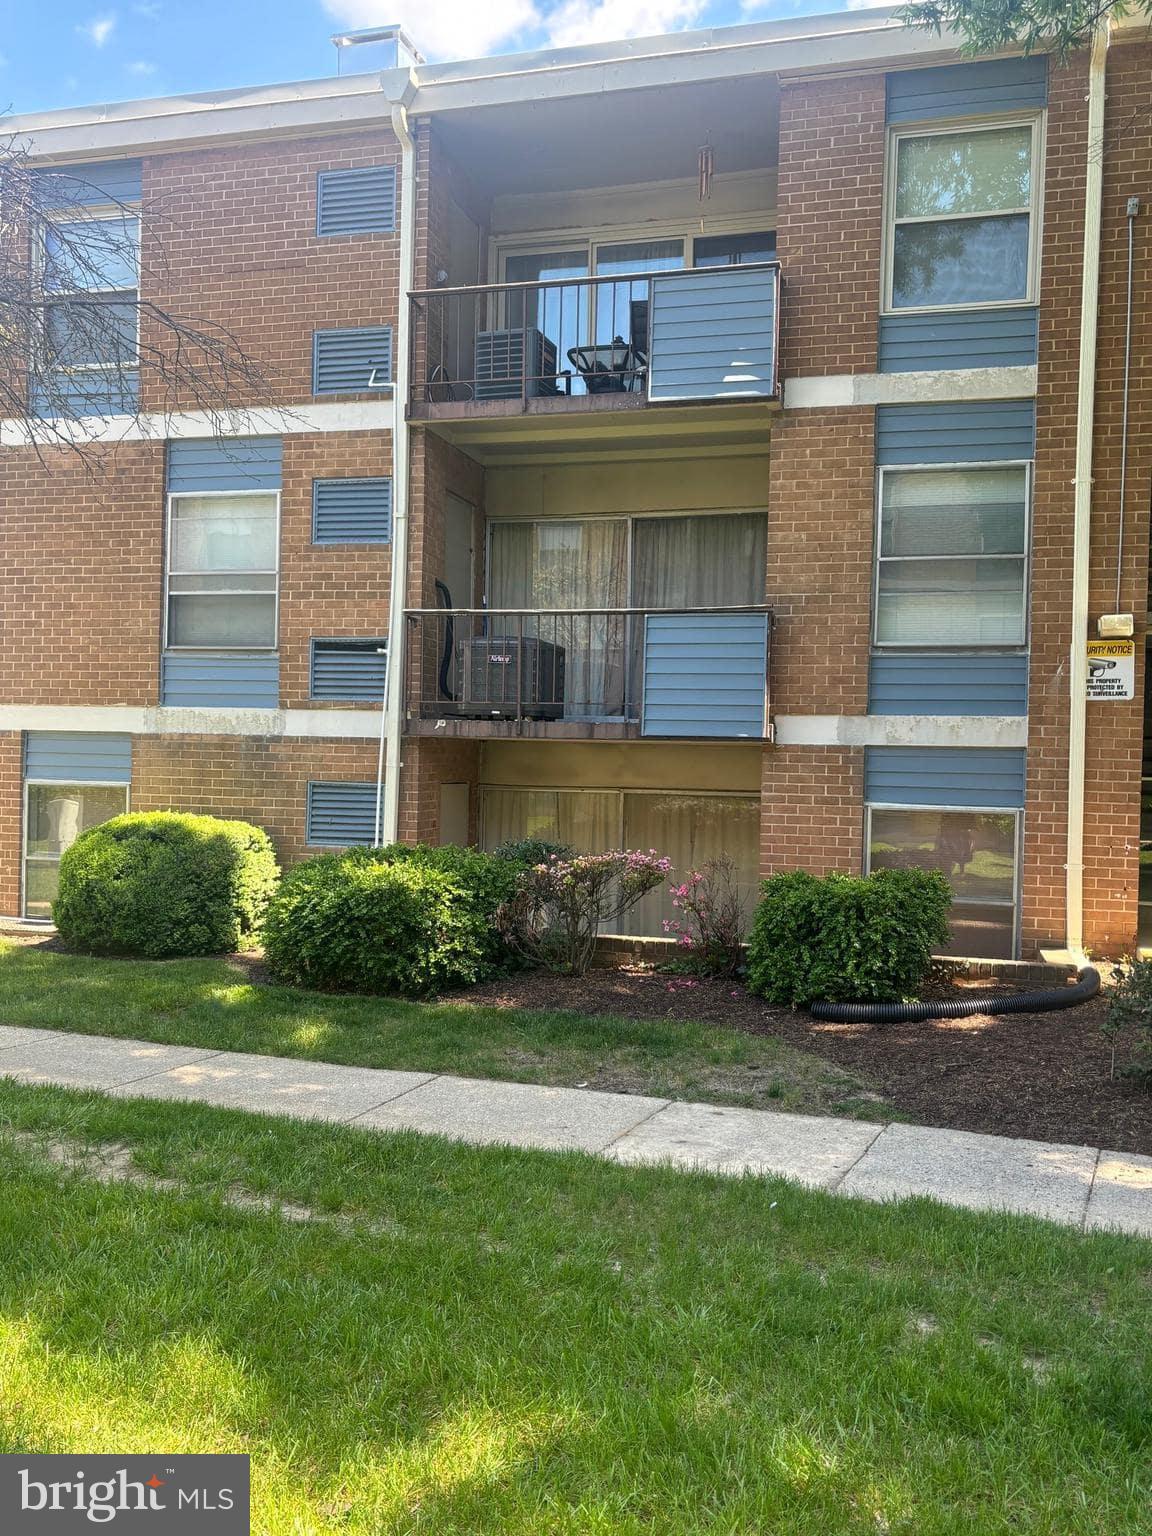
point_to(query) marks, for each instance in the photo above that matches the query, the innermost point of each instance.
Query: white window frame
(102, 213)
(1032, 120)
(42, 858)
(1014, 811)
(239, 650)
(959, 645)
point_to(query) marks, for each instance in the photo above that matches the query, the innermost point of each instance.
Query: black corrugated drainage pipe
(1045, 1000)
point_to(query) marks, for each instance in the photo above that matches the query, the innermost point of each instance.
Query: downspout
(1082, 504)
(392, 717)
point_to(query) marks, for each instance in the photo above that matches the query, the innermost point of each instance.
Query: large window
(222, 570)
(975, 851)
(90, 275)
(690, 828)
(952, 556)
(55, 817)
(962, 217)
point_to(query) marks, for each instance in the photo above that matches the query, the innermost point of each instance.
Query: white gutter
(392, 717)
(1082, 504)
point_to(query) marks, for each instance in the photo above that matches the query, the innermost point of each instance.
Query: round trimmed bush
(400, 920)
(160, 884)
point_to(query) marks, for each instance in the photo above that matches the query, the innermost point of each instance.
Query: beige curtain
(586, 820)
(690, 829)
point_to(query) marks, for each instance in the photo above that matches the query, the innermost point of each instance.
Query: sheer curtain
(691, 562)
(690, 829)
(586, 820)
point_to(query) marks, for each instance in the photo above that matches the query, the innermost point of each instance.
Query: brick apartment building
(743, 412)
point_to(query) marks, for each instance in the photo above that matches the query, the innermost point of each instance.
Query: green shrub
(410, 920)
(1128, 1021)
(531, 851)
(844, 938)
(160, 884)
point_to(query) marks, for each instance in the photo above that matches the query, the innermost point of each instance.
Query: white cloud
(866, 5)
(141, 67)
(598, 21)
(99, 29)
(447, 29)
(149, 9)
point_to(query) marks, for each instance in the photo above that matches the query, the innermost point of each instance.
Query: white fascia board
(936, 385)
(157, 427)
(316, 724)
(901, 731)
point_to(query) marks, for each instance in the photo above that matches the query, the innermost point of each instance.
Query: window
(952, 556)
(962, 217)
(222, 567)
(55, 817)
(976, 852)
(90, 269)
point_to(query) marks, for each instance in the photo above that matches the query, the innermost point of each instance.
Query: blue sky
(59, 53)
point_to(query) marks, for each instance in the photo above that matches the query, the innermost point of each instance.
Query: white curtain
(691, 829)
(585, 820)
(699, 562)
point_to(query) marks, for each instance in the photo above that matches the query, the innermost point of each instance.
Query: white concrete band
(936, 385)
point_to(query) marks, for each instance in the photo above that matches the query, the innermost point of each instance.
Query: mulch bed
(1043, 1076)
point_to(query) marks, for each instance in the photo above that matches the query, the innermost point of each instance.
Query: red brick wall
(811, 810)
(426, 765)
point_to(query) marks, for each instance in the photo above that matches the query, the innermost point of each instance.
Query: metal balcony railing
(695, 334)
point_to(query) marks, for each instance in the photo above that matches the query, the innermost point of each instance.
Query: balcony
(606, 674)
(692, 349)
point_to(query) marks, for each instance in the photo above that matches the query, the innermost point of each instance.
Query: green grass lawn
(211, 1003)
(490, 1342)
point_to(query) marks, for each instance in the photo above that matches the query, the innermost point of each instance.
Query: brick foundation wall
(425, 767)
(811, 810)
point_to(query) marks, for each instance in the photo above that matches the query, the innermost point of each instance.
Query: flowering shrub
(562, 904)
(1129, 1019)
(710, 927)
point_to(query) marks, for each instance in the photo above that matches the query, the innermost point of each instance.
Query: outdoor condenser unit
(501, 373)
(505, 676)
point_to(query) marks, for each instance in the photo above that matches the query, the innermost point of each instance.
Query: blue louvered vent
(981, 432)
(350, 362)
(978, 338)
(219, 680)
(77, 757)
(78, 186)
(938, 684)
(962, 777)
(360, 202)
(967, 90)
(341, 815)
(352, 670)
(705, 674)
(68, 395)
(227, 464)
(352, 511)
(713, 335)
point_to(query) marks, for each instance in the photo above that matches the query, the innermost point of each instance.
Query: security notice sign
(1111, 669)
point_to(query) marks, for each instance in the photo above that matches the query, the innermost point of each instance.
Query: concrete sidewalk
(1079, 1186)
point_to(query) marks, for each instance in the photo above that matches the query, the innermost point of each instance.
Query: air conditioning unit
(501, 372)
(505, 677)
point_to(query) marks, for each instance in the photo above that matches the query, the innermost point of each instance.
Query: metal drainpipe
(392, 717)
(1082, 504)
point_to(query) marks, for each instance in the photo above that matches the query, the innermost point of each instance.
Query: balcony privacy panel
(975, 432)
(219, 680)
(937, 684)
(967, 90)
(345, 362)
(705, 674)
(352, 670)
(341, 815)
(79, 186)
(352, 511)
(980, 778)
(237, 464)
(359, 202)
(77, 757)
(714, 337)
(970, 338)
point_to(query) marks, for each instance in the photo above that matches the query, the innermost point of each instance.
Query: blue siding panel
(219, 680)
(970, 338)
(705, 674)
(935, 684)
(231, 464)
(352, 511)
(341, 815)
(353, 670)
(985, 778)
(967, 90)
(71, 395)
(77, 757)
(79, 186)
(358, 202)
(981, 432)
(713, 338)
(344, 362)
